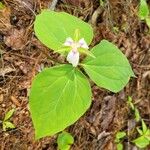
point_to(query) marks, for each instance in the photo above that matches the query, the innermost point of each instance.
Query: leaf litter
(23, 55)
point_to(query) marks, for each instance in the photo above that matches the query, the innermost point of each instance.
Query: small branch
(53, 5)
(26, 5)
(50, 58)
(96, 14)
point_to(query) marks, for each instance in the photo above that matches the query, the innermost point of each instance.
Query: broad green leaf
(141, 142)
(52, 28)
(143, 10)
(119, 146)
(59, 97)
(110, 69)
(148, 137)
(65, 147)
(120, 135)
(9, 114)
(64, 141)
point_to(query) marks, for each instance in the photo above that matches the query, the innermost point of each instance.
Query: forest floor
(22, 55)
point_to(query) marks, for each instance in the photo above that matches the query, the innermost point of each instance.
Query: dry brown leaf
(107, 111)
(6, 70)
(4, 19)
(15, 101)
(16, 39)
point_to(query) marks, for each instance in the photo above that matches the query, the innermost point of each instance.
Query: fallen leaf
(6, 70)
(15, 101)
(16, 39)
(107, 111)
(4, 19)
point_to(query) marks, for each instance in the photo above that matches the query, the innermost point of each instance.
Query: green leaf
(139, 131)
(130, 103)
(144, 127)
(148, 21)
(2, 5)
(120, 135)
(147, 134)
(4, 127)
(143, 10)
(7, 124)
(64, 141)
(9, 114)
(141, 142)
(101, 3)
(137, 114)
(119, 146)
(110, 69)
(87, 52)
(59, 97)
(52, 28)
(147, 137)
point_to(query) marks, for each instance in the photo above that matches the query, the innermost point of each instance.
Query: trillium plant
(60, 95)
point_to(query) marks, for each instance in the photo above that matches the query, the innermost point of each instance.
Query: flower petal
(73, 58)
(83, 44)
(68, 42)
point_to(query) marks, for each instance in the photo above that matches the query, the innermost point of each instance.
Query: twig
(50, 58)
(96, 14)
(26, 5)
(22, 56)
(53, 5)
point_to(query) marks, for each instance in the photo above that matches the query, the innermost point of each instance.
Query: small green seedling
(144, 139)
(64, 141)
(6, 124)
(118, 140)
(144, 12)
(136, 111)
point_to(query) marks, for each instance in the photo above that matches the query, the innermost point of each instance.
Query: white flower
(73, 55)
(73, 58)
(83, 43)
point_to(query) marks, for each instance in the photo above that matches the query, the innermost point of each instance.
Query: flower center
(75, 46)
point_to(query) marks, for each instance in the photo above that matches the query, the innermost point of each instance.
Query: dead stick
(53, 5)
